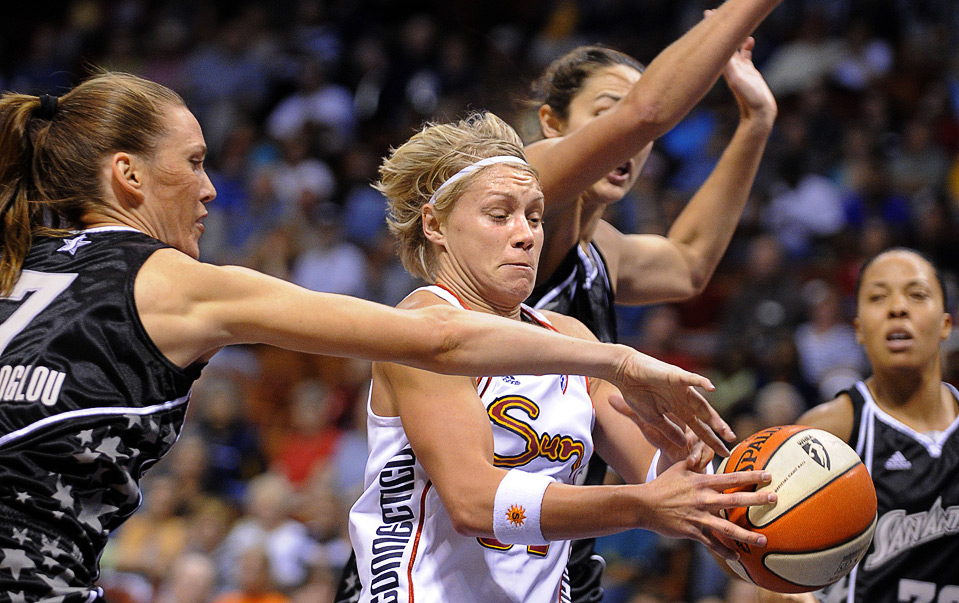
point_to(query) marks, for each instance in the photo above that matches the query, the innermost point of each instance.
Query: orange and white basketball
(824, 519)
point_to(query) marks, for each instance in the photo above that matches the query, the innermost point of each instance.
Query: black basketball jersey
(581, 288)
(87, 401)
(914, 556)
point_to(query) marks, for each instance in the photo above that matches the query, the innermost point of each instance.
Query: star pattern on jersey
(20, 535)
(110, 447)
(17, 597)
(130, 489)
(72, 245)
(95, 486)
(15, 561)
(170, 437)
(57, 584)
(92, 508)
(63, 495)
(86, 456)
(97, 476)
(51, 546)
(151, 435)
(352, 581)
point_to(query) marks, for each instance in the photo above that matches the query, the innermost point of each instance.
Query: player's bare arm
(207, 307)
(835, 416)
(646, 268)
(671, 85)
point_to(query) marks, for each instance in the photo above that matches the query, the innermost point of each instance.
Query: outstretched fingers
(657, 391)
(706, 422)
(648, 416)
(698, 455)
(692, 379)
(658, 435)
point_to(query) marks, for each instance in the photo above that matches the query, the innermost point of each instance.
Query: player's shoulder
(421, 298)
(538, 150)
(174, 264)
(183, 279)
(170, 264)
(835, 416)
(567, 325)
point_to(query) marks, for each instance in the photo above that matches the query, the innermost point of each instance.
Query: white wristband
(654, 466)
(517, 506)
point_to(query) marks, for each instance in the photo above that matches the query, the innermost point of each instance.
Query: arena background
(299, 100)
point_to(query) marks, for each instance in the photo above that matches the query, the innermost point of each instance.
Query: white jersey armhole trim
(440, 293)
(396, 421)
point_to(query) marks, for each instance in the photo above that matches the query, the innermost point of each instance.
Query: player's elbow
(692, 273)
(698, 279)
(677, 290)
(468, 518)
(649, 114)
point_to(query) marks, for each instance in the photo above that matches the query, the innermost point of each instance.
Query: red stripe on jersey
(448, 290)
(416, 541)
(537, 320)
(551, 328)
(485, 387)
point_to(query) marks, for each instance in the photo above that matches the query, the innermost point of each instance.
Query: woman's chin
(607, 193)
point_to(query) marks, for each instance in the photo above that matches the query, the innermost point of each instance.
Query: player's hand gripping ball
(824, 519)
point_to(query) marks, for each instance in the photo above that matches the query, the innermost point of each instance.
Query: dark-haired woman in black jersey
(904, 423)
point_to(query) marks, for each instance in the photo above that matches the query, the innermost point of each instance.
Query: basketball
(824, 519)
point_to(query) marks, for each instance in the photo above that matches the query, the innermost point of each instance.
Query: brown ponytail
(51, 151)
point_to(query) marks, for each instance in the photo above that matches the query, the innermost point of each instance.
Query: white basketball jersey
(406, 547)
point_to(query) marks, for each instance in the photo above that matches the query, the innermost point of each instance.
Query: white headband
(473, 167)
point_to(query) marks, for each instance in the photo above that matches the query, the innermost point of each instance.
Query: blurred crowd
(299, 100)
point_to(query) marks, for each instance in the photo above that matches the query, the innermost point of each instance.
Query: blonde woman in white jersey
(468, 486)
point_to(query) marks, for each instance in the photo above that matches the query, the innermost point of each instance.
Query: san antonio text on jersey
(914, 556)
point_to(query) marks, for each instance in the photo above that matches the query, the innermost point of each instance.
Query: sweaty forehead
(514, 174)
(506, 179)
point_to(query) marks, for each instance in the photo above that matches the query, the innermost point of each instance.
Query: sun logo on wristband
(516, 515)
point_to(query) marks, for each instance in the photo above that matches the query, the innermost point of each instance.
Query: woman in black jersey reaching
(107, 318)
(600, 112)
(904, 423)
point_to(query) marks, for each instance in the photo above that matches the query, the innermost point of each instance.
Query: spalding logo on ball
(824, 520)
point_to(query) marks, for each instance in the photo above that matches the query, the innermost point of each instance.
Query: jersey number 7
(45, 286)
